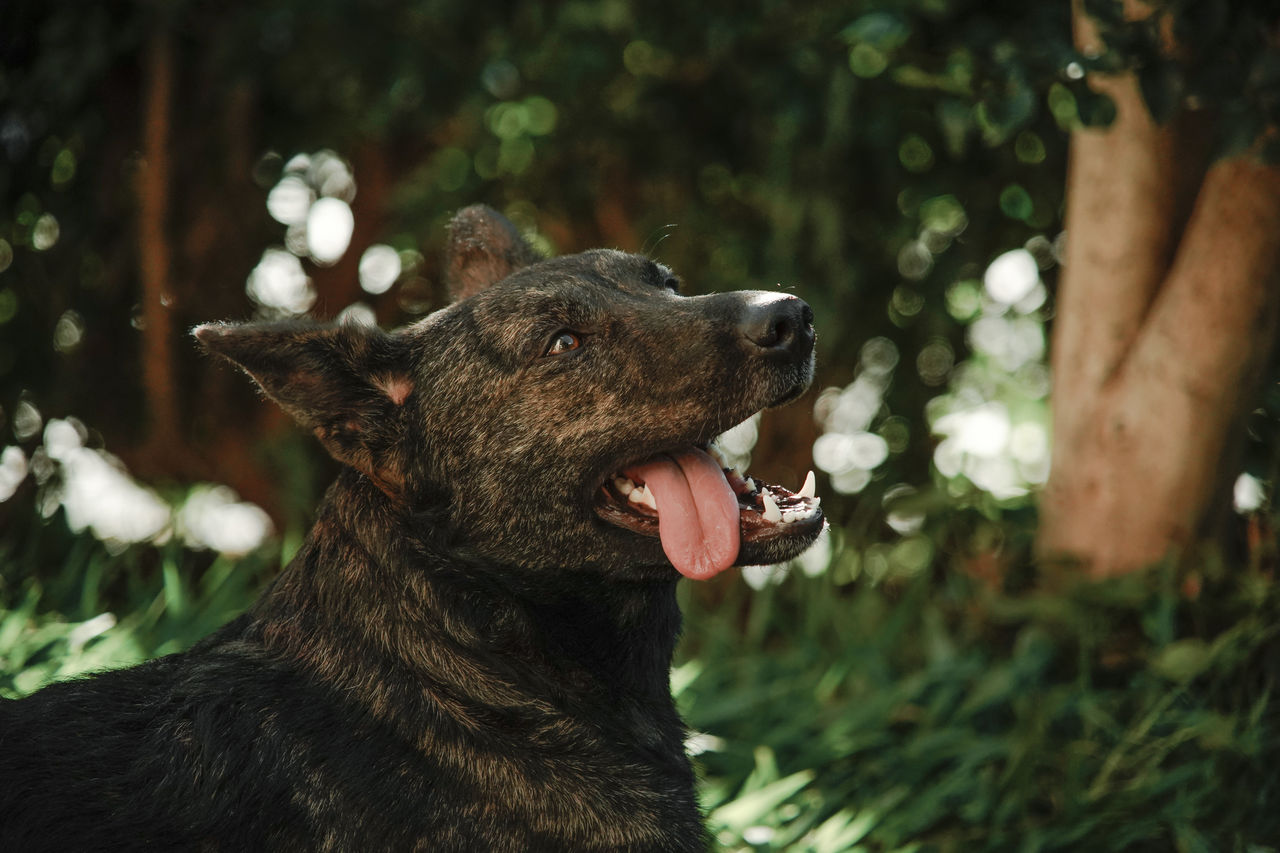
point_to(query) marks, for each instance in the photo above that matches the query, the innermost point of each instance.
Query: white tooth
(771, 511)
(649, 500)
(790, 516)
(636, 495)
(810, 487)
(751, 484)
(624, 485)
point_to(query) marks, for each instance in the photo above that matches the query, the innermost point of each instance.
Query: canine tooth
(810, 487)
(771, 511)
(624, 485)
(649, 500)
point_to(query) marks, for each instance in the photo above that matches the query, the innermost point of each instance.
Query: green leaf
(752, 808)
(1182, 660)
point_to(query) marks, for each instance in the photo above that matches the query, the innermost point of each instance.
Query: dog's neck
(420, 610)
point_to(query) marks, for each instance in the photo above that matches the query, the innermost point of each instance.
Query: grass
(830, 714)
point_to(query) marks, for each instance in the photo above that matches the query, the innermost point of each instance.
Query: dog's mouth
(707, 515)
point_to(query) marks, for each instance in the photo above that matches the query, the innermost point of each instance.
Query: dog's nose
(779, 323)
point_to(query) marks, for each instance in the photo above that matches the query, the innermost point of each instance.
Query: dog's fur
(465, 654)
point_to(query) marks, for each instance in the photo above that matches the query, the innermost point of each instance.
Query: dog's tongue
(697, 512)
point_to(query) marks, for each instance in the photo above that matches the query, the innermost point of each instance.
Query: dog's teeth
(790, 516)
(771, 511)
(810, 487)
(751, 484)
(624, 485)
(641, 495)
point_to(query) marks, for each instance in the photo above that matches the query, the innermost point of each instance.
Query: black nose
(780, 324)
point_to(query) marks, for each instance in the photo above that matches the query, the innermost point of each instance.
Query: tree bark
(154, 249)
(1166, 313)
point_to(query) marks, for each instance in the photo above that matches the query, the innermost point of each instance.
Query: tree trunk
(1167, 311)
(153, 249)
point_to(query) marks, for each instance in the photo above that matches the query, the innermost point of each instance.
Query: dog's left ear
(484, 248)
(347, 383)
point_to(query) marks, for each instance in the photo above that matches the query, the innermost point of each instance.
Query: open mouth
(707, 515)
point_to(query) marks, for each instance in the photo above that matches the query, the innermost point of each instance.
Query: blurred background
(913, 682)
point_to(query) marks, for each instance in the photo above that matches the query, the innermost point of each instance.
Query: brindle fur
(462, 656)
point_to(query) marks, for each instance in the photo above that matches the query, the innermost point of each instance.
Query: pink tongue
(697, 512)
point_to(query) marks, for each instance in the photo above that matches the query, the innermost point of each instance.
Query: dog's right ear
(347, 383)
(484, 247)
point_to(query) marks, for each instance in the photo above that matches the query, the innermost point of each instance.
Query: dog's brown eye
(563, 342)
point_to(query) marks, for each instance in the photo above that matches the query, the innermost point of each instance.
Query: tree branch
(1198, 361)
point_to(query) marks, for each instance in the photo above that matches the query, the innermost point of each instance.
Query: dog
(471, 651)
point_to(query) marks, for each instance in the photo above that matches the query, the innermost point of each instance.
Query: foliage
(939, 715)
(929, 712)
(100, 610)
(869, 156)
(874, 156)
(878, 157)
(1200, 56)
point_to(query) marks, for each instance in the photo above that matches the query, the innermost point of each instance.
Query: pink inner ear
(395, 387)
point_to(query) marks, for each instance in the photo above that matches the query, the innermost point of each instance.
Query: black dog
(471, 650)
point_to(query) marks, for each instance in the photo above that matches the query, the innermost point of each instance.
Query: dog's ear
(347, 383)
(484, 247)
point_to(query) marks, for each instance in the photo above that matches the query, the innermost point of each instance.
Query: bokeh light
(213, 517)
(98, 495)
(330, 224)
(379, 268)
(13, 470)
(1248, 494)
(279, 285)
(993, 420)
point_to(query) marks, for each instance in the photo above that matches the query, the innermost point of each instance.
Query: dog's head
(561, 412)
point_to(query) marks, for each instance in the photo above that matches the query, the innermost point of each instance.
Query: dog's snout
(782, 324)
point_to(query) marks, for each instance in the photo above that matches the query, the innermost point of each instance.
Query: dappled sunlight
(848, 451)
(68, 332)
(279, 284)
(312, 199)
(214, 518)
(27, 420)
(330, 224)
(380, 266)
(993, 419)
(1011, 277)
(1248, 494)
(290, 200)
(13, 470)
(97, 494)
(736, 443)
(357, 312)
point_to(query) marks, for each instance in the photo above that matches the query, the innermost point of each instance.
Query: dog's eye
(563, 342)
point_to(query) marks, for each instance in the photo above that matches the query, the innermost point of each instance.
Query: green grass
(926, 713)
(939, 715)
(69, 606)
